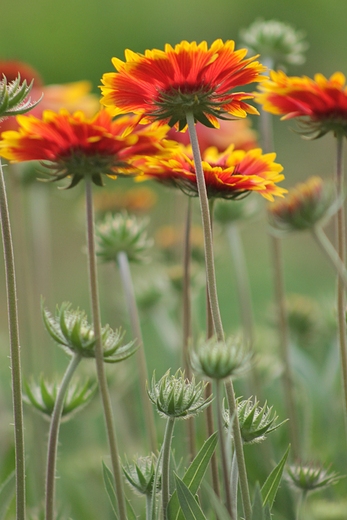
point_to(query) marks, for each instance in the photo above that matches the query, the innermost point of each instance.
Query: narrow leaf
(216, 504)
(257, 508)
(130, 512)
(190, 508)
(7, 491)
(194, 474)
(109, 486)
(271, 485)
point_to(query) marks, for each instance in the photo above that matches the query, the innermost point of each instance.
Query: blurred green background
(71, 40)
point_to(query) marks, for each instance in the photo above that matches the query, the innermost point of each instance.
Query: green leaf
(7, 492)
(130, 512)
(216, 504)
(271, 485)
(190, 508)
(257, 507)
(109, 486)
(194, 474)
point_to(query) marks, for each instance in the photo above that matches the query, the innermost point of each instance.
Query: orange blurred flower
(320, 103)
(135, 200)
(73, 145)
(71, 96)
(228, 175)
(164, 85)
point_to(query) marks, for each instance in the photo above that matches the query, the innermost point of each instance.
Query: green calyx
(13, 97)
(311, 477)
(141, 475)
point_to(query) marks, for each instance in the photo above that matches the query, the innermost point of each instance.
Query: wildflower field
(173, 268)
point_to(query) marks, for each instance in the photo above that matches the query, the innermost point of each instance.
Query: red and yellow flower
(71, 96)
(228, 175)
(72, 145)
(165, 85)
(320, 103)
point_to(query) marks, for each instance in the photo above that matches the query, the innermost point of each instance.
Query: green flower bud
(220, 359)
(277, 41)
(42, 396)
(229, 212)
(122, 233)
(13, 96)
(255, 421)
(177, 397)
(310, 477)
(140, 475)
(71, 330)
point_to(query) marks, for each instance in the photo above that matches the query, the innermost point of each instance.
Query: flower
(319, 103)
(72, 145)
(220, 359)
(255, 421)
(123, 233)
(306, 205)
(275, 40)
(176, 397)
(71, 330)
(164, 85)
(71, 96)
(310, 477)
(135, 200)
(228, 175)
(237, 132)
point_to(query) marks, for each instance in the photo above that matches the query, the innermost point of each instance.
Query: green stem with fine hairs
(165, 472)
(225, 468)
(214, 304)
(12, 310)
(128, 286)
(331, 253)
(54, 435)
(341, 249)
(100, 369)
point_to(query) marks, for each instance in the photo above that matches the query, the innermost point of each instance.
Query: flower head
(42, 396)
(319, 103)
(306, 205)
(275, 40)
(215, 359)
(255, 421)
(71, 96)
(165, 85)
(311, 477)
(14, 97)
(176, 397)
(141, 475)
(229, 175)
(122, 233)
(71, 330)
(72, 145)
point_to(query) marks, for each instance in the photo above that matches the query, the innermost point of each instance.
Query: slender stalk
(331, 253)
(225, 469)
(287, 376)
(165, 472)
(12, 311)
(186, 320)
(341, 249)
(100, 369)
(148, 506)
(54, 435)
(213, 298)
(128, 286)
(246, 499)
(301, 504)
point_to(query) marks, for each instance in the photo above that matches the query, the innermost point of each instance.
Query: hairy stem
(128, 286)
(12, 311)
(331, 253)
(100, 369)
(165, 474)
(54, 435)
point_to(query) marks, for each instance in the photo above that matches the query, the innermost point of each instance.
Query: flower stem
(214, 305)
(186, 320)
(225, 468)
(12, 310)
(54, 434)
(100, 369)
(165, 481)
(331, 253)
(341, 249)
(246, 499)
(128, 286)
(206, 224)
